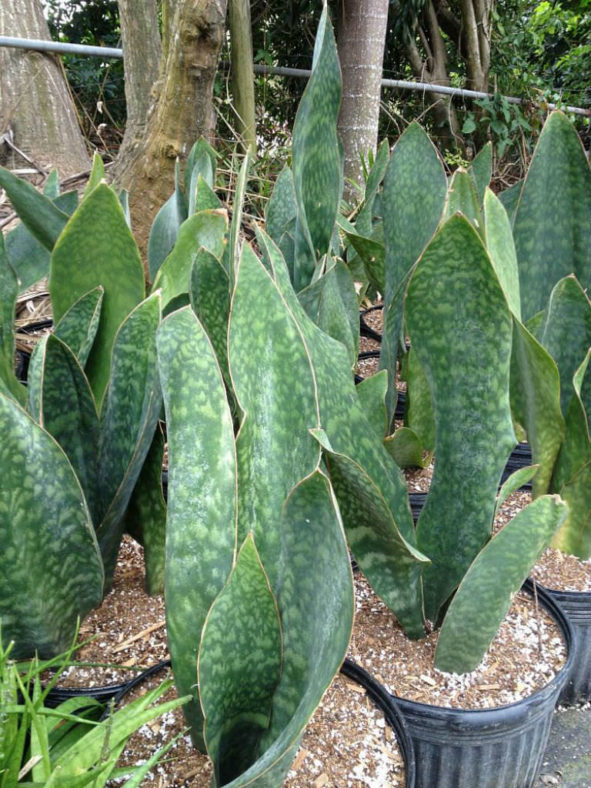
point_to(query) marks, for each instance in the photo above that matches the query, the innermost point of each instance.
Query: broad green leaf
(535, 402)
(78, 327)
(415, 187)
(205, 197)
(462, 198)
(552, 227)
(484, 596)
(565, 332)
(68, 412)
(510, 199)
(331, 302)
(419, 416)
(517, 479)
(239, 667)
(501, 249)
(372, 254)
(166, 225)
(27, 255)
(204, 230)
(128, 420)
(202, 173)
(97, 248)
(364, 219)
(201, 517)
(210, 299)
(274, 385)
(317, 164)
(372, 395)
(8, 293)
(351, 435)
(202, 158)
(281, 209)
(52, 570)
(460, 328)
(480, 170)
(406, 449)
(146, 515)
(52, 185)
(43, 219)
(97, 174)
(572, 473)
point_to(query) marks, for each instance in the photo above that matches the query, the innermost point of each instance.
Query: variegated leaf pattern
(166, 226)
(201, 516)
(8, 293)
(460, 328)
(52, 571)
(97, 249)
(78, 327)
(501, 249)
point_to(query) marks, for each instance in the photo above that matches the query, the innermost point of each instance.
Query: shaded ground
(567, 761)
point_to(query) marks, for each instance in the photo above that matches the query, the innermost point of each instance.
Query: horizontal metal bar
(301, 73)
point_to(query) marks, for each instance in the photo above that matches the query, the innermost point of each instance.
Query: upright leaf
(501, 249)
(463, 198)
(210, 299)
(97, 248)
(317, 167)
(128, 420)
(166, 226)
(460, 328)
(483, 598)
(552, 226)
(52, 570)
(201, 517)
(97, 173)
(78, 327)
(480, 170)
(240, 658)
(8, 292)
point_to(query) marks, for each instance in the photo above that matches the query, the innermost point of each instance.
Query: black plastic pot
(500, 747)
(388, 705)
(576, 606)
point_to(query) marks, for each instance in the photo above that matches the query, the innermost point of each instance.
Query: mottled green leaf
(552, 226)
(78, 327)
(8, 292)
(239, 666)
(205, 197)
(203, 159)
(517, 479)
(462, 198)
(204, 230)
(27, 255)
(406, 449)
(501, 249)
(331, 302)
(419, 416)
(480, 170)
(274, 385)
(535, 402)
(497, 573)
(372, 395)
(202, 178)
(317, 165)
(351, 435)
(460, 328)
(166, 225)
(41, 216)
(510, 199)
(364, 219)
(146, 515)
(128, 420)
(415, 187)
(281, 209)
(97, 173)
(51, 188)
(565, 332)
(97, 248)
(372, 254)
(201, 518)
(52, 571)
(572, 473)
(68, 412)
(210, 299)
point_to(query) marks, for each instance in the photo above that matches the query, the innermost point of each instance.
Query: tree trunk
(242, 71)
(183, 108)
(361, 36)
(141, 58)
(36, 107)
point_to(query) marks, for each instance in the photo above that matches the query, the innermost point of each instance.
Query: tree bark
(36, 107)
(361, 37)
(141, 59)
(242, 71)
(182, 111)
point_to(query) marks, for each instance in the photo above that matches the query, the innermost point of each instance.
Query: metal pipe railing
(111, 52)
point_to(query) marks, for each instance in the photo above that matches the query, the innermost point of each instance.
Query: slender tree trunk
(361, 36)
(242, 71)
(141, 57)
(36, 107)
(183, 108)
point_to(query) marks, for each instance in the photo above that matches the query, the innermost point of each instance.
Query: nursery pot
(388, 705)
(500, 747)
(576, 606)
